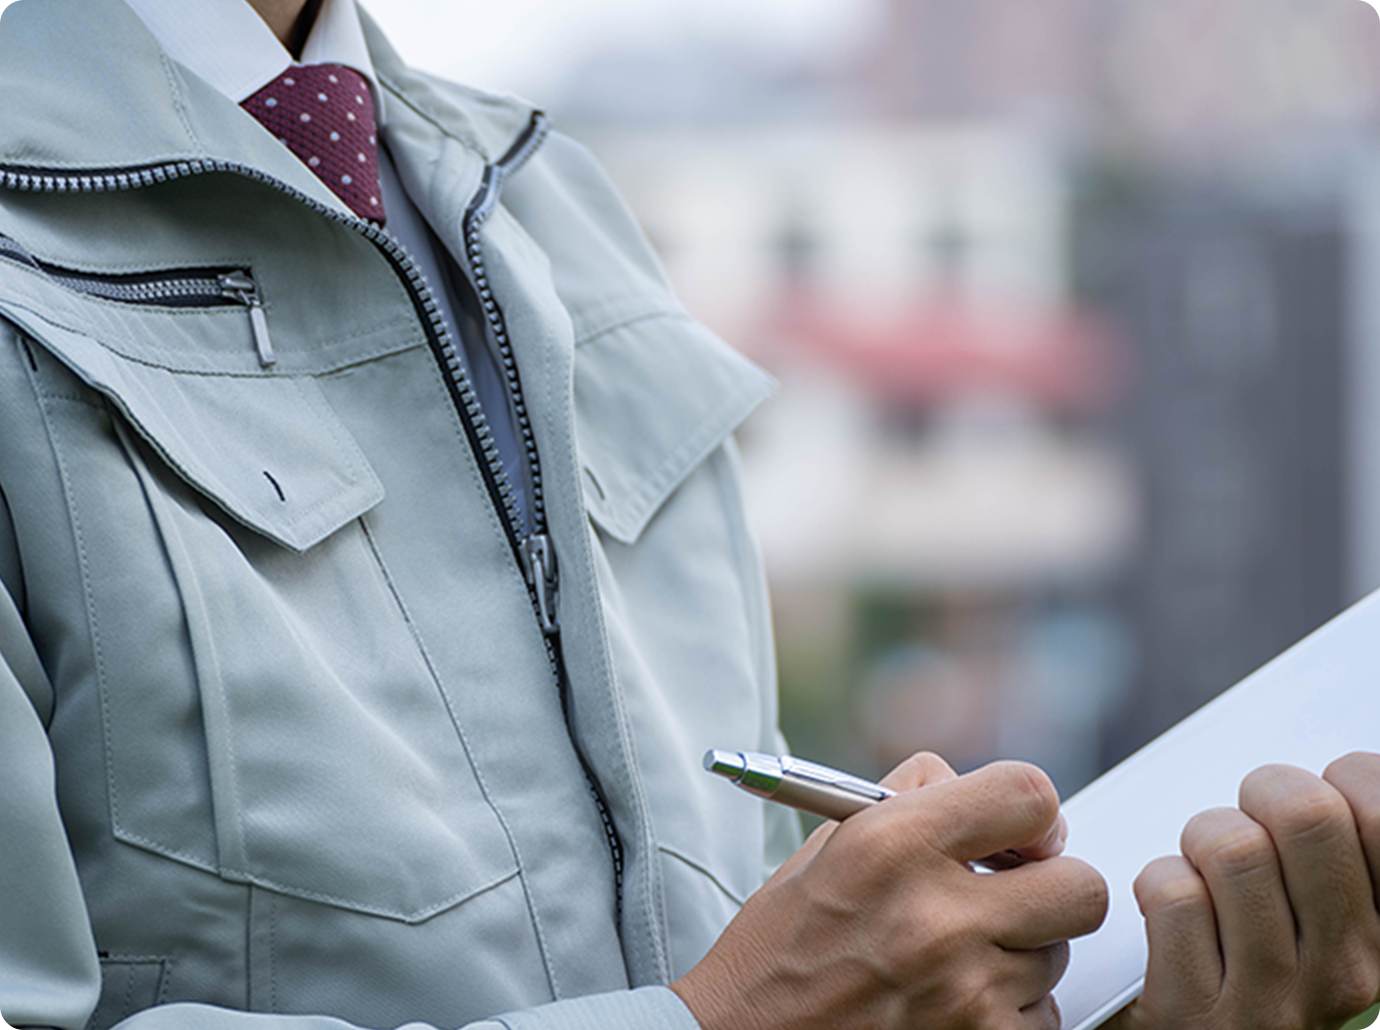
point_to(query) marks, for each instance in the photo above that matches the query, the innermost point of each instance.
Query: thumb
(919, 770)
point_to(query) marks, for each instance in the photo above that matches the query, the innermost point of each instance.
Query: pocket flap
(653, 397)
(267, 449)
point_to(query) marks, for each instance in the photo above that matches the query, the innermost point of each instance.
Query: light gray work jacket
(300, 722)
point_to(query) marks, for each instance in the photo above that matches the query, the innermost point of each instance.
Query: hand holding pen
(878, 922)
(832, 794)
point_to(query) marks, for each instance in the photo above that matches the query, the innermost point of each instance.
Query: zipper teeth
(475, 252)
(479, 212)
(455, 369)
(126, 179)
(135, 293)
(527, 145)
(173, 287)
(475, 217)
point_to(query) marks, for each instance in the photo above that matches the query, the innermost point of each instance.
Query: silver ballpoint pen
(820, 790)
(808, 786)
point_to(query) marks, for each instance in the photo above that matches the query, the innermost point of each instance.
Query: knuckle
(1031, 787)
(869, 833)
(972, 994)
(1368, 825)
(1240, 850)
(921, 768)
(1172, 889)
(1307, 813)
(1356, 763)
(1353, 984)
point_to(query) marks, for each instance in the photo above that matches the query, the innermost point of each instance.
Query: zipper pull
(240, 286)
(539, 566)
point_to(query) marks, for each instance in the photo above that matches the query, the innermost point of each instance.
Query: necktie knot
(324, 113)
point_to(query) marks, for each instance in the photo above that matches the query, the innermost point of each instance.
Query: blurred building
(1161, 78)
(1064, 301)
(935, 494)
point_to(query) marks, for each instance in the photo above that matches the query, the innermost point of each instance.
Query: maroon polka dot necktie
(324, 113)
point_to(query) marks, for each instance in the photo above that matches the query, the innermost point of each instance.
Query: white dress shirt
(227, 44)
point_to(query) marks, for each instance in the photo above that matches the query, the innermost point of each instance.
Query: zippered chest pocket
(268, 714)
(173, 288)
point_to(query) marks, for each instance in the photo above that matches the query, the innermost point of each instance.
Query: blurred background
(1074, 308)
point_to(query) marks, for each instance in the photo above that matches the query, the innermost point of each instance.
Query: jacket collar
(232, 48)
(85, 89)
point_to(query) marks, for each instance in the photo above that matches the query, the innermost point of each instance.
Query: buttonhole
(595, 480)
(269, 476)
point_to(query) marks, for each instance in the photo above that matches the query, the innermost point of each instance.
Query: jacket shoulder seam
(402, 98)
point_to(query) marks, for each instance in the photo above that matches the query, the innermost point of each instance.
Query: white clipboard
(1316, 702)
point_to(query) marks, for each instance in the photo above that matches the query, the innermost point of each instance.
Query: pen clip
(806, 770)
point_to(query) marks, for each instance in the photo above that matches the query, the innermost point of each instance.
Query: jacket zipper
(183, 287)
(536, 552)
(533, 550)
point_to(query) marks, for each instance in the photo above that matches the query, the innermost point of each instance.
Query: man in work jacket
(339, 688)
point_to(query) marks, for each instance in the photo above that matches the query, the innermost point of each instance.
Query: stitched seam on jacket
(704, 871)
(758, 622)
(82, 330)
(469, 144)
(179, 104)
(682, 457)
(596, 630)
(272, 954)
(98, 658)
(622, 323)
(214, 485)
(175, 546)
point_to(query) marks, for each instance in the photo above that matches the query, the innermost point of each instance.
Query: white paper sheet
(1316, 702)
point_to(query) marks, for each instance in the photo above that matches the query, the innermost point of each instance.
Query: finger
(1042, 1015)
(1236, 858)
(1045, 903)
(1047, 847)
(1051, 962)
(1051, 844)
(1001, 806)
(816, 840)
(919, 770)
(1357, 777)
(1325, 874)
(1021, 980)
(1184, 971)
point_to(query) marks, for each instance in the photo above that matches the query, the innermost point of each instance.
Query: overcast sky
(522, 45)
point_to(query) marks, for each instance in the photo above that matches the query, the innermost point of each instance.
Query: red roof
(1065, 358)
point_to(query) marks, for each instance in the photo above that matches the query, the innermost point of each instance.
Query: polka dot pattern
(324, 113)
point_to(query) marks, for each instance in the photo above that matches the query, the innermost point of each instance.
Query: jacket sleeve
(49, 971)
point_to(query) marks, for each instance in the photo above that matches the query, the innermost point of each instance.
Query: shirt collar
(233, 49)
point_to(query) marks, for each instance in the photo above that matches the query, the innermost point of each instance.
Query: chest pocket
(268, 714)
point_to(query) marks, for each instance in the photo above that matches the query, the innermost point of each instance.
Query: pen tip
(725, 763)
